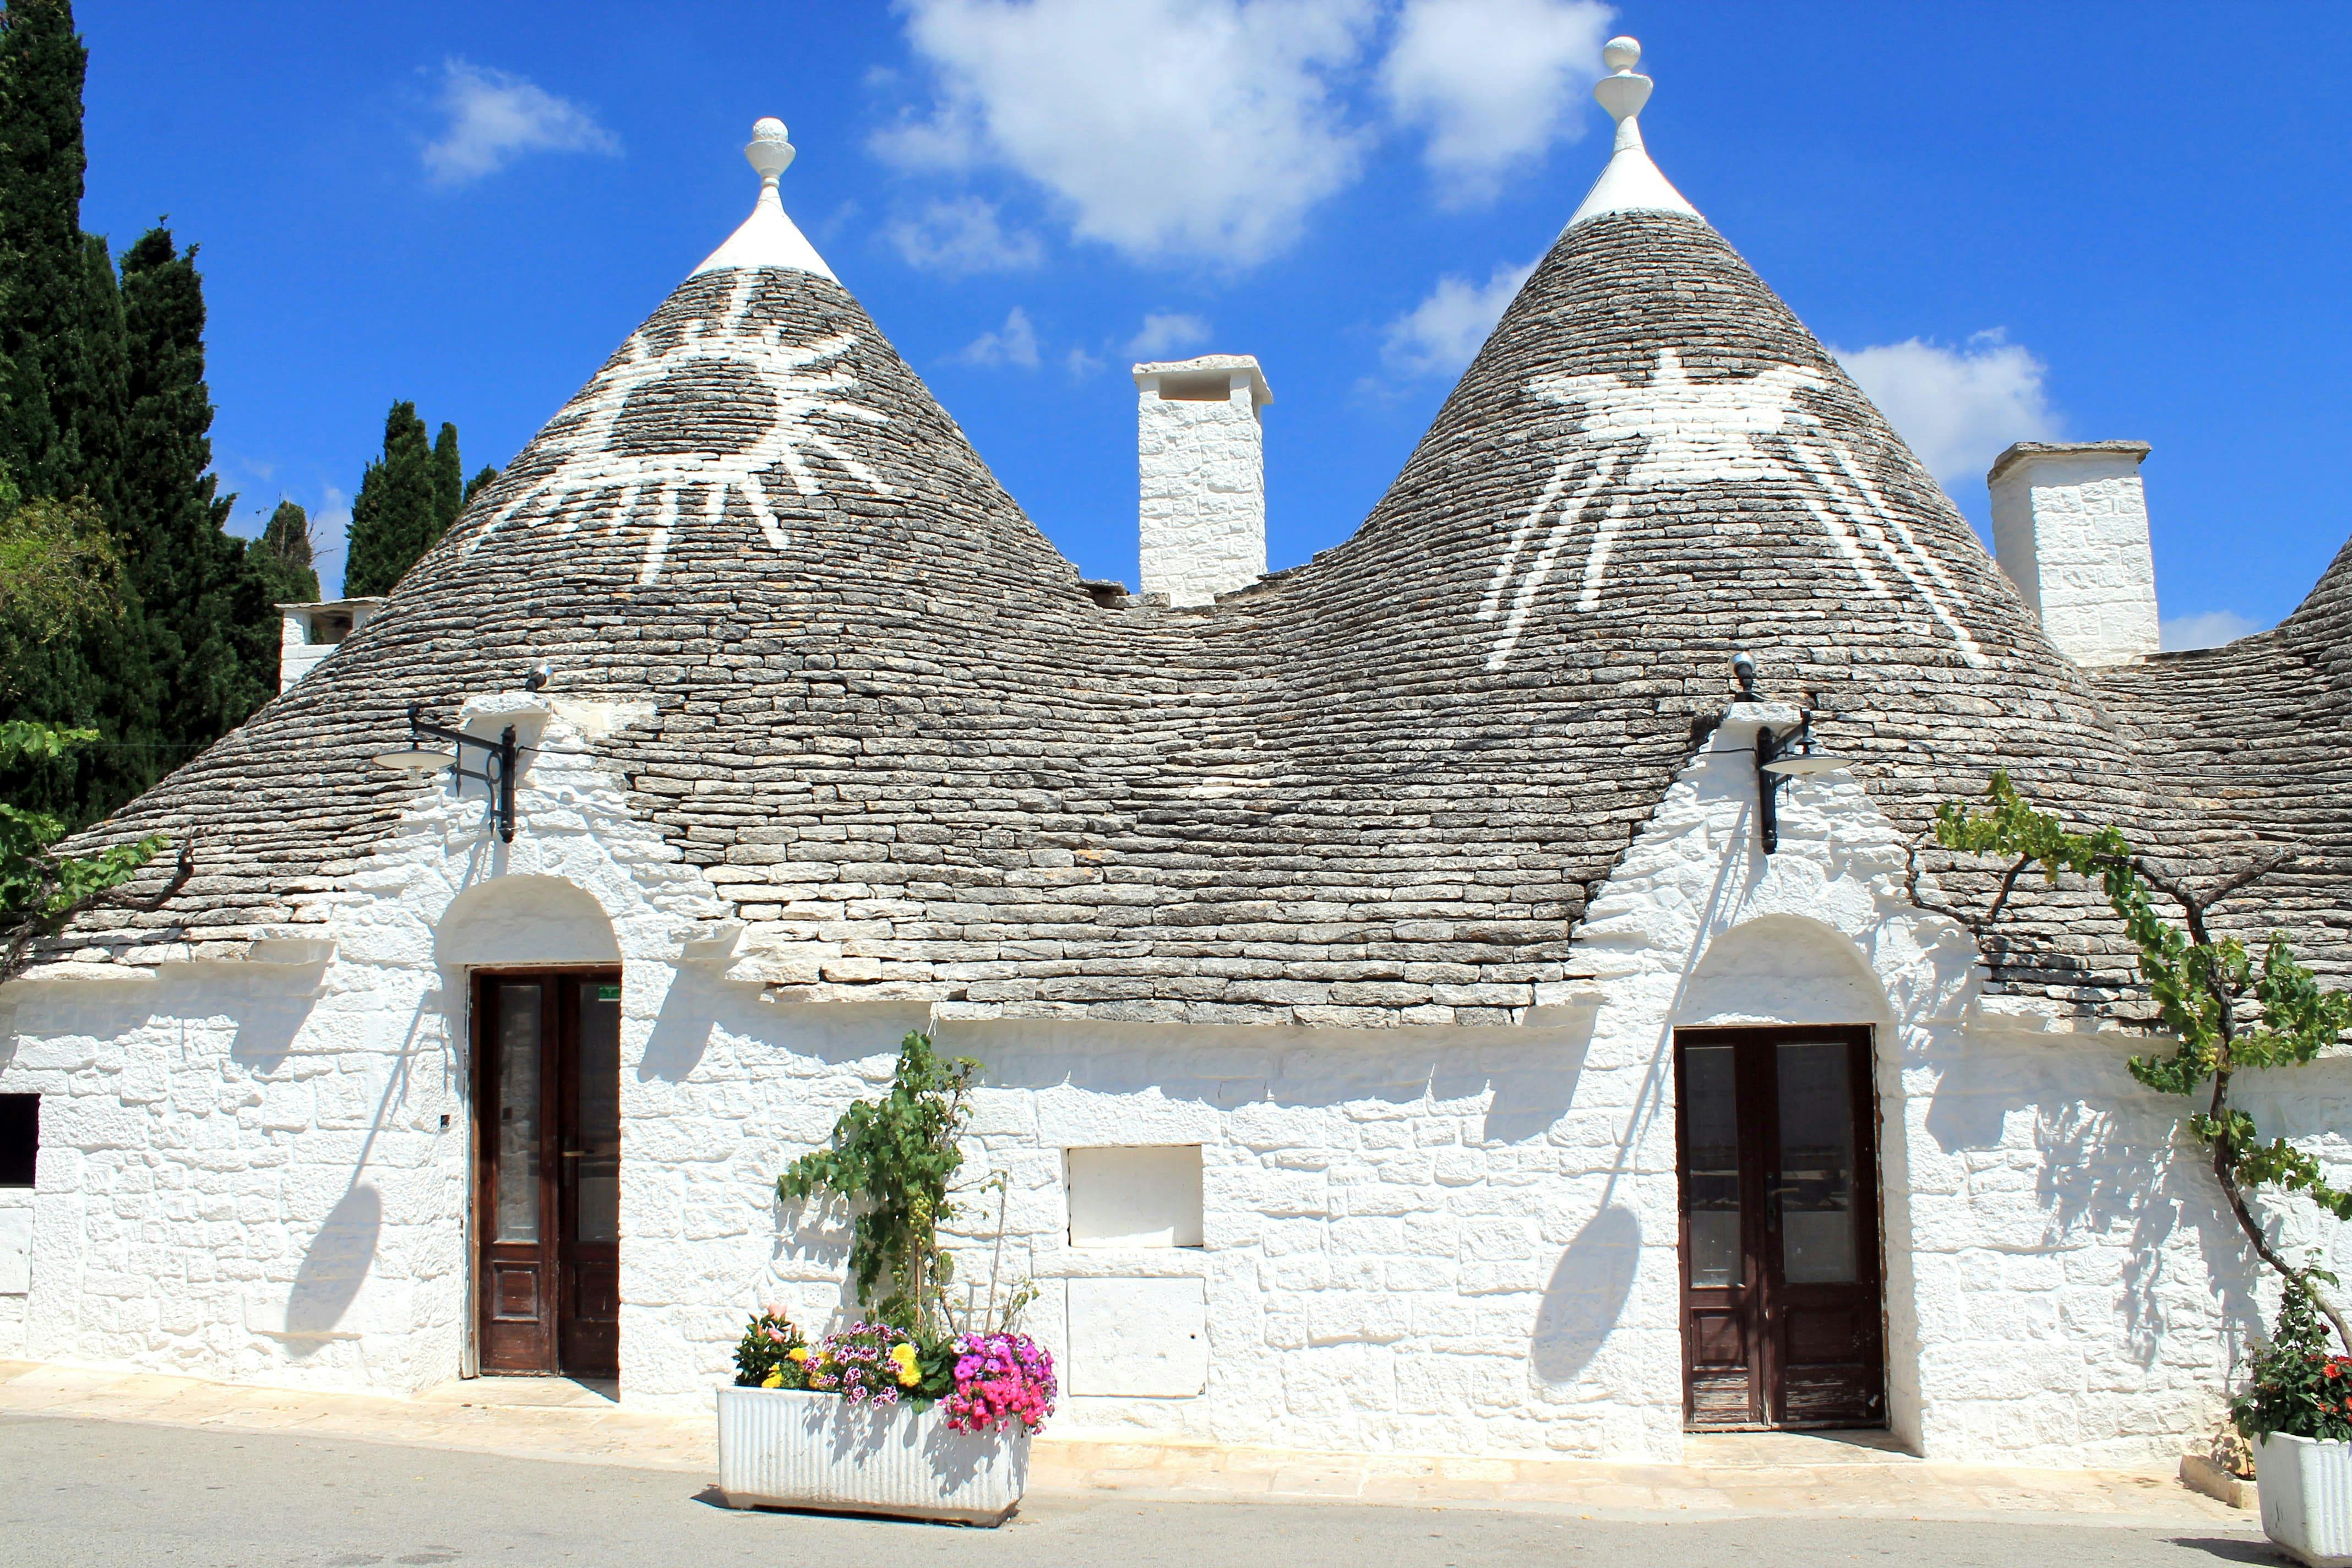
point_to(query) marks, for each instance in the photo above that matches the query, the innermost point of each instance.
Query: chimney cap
(1210, 365)
(2019, 452)
(362, 601)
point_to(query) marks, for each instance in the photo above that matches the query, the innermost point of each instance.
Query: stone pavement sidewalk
(1728, 1476)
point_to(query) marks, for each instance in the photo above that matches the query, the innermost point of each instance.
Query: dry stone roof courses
(919, 758)
(2254, 740)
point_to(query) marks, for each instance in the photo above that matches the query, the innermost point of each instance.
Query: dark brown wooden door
(548, 1163)
(1776, 1152)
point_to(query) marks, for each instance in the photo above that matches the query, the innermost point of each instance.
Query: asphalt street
(75, 1492)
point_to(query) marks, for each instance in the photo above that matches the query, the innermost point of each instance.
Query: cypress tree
(63, 368)
(41, 163)
(209, 630)
(448, 481)
(394, 518)
(482, 480)
(283, 557)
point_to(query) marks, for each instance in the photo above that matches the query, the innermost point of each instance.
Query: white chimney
(308, 633)
(1201, 456)
(2070, 527)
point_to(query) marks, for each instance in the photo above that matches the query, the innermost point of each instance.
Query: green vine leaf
(2197, 983)
(892, 1162)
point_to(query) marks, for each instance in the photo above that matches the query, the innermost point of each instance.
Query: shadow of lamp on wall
(1586, 1295)
(319, 1307)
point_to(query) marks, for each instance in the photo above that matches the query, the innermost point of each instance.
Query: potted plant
(904, 1412)
(2298, 1415)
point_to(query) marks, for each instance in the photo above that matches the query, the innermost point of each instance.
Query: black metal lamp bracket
(496, 772)
(1770, 746)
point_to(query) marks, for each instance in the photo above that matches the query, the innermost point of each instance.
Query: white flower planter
(780, 1448)
(2306, 1495)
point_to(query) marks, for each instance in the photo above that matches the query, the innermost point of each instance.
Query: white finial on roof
(768, 238)
(1631, 183)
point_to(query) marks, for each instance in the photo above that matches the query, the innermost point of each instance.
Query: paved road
(76, 1492)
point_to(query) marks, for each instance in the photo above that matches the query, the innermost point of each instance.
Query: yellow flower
(773, 1380)
(904, 1356)
(798, 1353)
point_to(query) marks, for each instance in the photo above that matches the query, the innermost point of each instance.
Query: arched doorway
(1783, 1314)
(544, 984)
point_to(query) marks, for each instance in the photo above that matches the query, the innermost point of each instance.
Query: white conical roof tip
(1631, 183)
(768, 237)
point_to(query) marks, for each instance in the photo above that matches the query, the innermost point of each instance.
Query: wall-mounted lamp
(1780, 755)
(496, 772)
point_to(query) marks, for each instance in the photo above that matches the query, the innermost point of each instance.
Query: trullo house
(1410, 1023)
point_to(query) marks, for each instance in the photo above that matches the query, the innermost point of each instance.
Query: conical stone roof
(919, 759)
(2256, 739)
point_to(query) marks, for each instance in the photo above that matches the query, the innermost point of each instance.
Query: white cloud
(1081, 365)
(495, 117)
(2210, 629)
(1494, 83)
(1015, 342)
(1165, 332)
(963, 236)
(1956, 408)
(1164, 128)
(1441, 335)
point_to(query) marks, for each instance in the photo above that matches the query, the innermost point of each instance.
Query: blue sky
(2084, 221)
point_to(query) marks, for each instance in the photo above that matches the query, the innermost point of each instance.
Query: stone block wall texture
(1202, 468)
(2071, 529)
(1450, 1240)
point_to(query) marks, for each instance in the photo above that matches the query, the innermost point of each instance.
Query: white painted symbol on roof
(737, 365)
(1683, 432)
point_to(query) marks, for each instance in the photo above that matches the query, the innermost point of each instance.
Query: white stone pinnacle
(768, 237)
(1631, 183)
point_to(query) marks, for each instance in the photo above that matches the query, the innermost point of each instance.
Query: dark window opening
(20, 1138)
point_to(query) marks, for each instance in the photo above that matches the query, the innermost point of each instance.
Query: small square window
(20, 1138)
(1136, 1197)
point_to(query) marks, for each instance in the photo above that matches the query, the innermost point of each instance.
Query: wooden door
(1776, 1152)
(547, 1155)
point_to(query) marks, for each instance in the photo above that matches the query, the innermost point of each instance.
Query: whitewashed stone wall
(15, 1267)
(245, 1169)
(1441, 1240)
(1201, 470)
(2061, 1284)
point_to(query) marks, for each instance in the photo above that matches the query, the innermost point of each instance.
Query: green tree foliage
(448, 481)
(2228, 1012)
(60, 577)
(283, 557)
(62, 392)
(59, 572)
(41, 256)
(105, 406)
(892, 1162)
(395, 516)
(211, 634)
(484, 478)
(40, 891)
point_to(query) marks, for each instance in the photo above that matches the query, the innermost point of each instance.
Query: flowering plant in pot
(2297, 1413)
(906, 1411)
